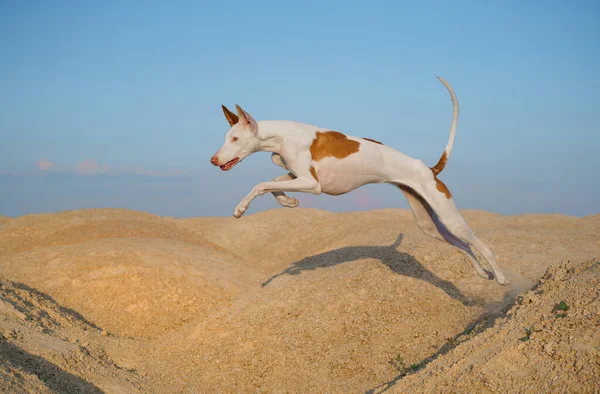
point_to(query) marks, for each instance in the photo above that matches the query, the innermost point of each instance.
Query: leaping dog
(326, 161)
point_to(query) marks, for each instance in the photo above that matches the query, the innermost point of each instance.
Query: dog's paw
(289, 202)
(239, 211)
(501, 279)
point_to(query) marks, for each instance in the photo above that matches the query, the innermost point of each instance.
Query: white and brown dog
(326, 161)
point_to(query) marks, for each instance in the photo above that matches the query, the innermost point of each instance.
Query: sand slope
(46, 348)
(535, 347)
(286, 300)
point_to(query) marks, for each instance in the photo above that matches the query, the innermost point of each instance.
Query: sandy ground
(294, 301)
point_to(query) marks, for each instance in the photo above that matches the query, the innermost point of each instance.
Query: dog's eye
(234, 139)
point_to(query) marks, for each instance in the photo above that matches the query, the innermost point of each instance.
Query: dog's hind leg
(428, 222)
(462, 230)
(439, 199)
(282, 199)
(420, 213)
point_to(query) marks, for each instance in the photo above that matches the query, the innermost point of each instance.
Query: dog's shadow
(399, 262)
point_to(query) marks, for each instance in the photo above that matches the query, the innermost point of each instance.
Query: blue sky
(113, 105)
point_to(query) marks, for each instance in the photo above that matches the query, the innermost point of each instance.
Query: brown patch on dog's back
(332, 144)
(314, 173)
(372, 140)
(441, 186)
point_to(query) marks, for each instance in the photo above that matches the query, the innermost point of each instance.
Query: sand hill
(294, 300)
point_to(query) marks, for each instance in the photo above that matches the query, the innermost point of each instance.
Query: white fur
(290, 144)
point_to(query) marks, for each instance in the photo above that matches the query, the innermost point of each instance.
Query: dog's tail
(442, 162)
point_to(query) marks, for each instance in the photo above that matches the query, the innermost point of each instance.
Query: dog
(326, 161)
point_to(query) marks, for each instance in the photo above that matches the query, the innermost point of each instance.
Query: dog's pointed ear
(246, 119)
(230, 116)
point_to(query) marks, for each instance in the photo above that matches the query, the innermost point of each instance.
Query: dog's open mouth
(229, 165)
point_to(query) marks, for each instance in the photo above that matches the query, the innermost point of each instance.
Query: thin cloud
(92, 167)
(87, 167)
(44, 165)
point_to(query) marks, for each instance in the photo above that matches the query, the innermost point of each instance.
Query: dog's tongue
(229, 164)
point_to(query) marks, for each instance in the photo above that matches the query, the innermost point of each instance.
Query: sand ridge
(548, 341)
(284, 300)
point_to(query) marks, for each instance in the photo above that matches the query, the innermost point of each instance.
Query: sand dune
(4, 219)
(286, 300)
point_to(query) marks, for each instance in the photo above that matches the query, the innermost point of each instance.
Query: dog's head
(240, 141)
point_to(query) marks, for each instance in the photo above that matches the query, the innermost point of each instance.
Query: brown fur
(332, 144)
(441, 186)
(314, 173)
(230, 116)
(440, 164)
(372, 140)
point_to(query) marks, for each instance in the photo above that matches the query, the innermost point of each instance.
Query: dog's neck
(272, 133)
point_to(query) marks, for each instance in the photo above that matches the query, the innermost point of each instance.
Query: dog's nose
(214, 160)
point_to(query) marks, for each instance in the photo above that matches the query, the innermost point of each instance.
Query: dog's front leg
(306, 184)
(300, 166)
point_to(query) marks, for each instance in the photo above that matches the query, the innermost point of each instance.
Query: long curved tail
(442, 162)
